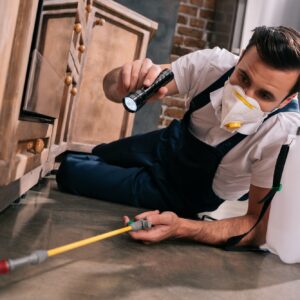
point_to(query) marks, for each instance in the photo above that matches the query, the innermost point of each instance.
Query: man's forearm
(218, 232)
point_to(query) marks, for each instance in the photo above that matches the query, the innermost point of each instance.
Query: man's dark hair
(279, 47)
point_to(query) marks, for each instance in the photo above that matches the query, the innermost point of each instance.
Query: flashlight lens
(130, 104)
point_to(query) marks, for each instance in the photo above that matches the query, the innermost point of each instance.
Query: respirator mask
(240, 112)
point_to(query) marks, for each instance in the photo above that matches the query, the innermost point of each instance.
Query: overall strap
(203, 98)
(230, 244)
(293, 106)
(225, 146)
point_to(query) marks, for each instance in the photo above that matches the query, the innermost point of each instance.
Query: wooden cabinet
(16, 29)
(51, 96)
(117, 35)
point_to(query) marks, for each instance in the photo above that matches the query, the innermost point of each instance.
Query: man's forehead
(266, 76)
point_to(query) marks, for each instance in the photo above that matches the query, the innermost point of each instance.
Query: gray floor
(120, 268)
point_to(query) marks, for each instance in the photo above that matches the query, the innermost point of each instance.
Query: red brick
(180, 50)
(182, 19)
(190, 32)
(178, 40)
(167, 122)
(207, 14)
(197, 23)
(210, 4)
(196, 43)
(171, 101)
(163, 122)
(197, 2)
(189, 10)
(173, 57)
(174, 113)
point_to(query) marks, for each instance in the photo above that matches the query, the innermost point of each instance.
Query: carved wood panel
(115, 39)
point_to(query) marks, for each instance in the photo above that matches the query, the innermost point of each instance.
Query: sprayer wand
(39, 256)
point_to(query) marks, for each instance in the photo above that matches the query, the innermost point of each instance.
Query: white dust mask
(240, 112)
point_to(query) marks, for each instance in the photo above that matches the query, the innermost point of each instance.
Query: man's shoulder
(287, 118)
(216, 57)
(222, 59)
(197, 70)
(280, 125)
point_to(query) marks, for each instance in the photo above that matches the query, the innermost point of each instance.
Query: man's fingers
(160, 94)
(145, 214)
(124, 78)
(126, 219)
(145, 236)
(165, 225)
(146, 65)
(142, 234)
(152, 75)
(135, 74)
(165, 218)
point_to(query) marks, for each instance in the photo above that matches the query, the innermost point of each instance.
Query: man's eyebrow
(244, 73)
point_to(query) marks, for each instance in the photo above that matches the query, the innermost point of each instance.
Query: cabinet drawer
(31, 147)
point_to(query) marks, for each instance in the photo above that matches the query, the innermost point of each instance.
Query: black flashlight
(134, 101)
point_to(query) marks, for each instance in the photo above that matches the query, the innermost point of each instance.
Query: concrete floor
(120, 268)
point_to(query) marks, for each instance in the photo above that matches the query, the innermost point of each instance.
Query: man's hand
(168, 224)
(135, 75)
(165, 225)
(132, 76)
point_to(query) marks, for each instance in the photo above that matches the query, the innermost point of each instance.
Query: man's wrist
(187, 229)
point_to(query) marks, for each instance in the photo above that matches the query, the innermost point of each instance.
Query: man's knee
(97, 150)
(63, 175)
(66, 173)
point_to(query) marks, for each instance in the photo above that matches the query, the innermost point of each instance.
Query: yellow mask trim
(233, 125)
(241, 98)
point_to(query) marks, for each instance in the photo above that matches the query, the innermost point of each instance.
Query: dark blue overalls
(167, 169)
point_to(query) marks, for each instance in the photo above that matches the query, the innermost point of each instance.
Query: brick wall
(194, 22)
(224, 20)
(200, 24)
(193, 29)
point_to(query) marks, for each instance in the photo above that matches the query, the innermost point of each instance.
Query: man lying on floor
(241, 110)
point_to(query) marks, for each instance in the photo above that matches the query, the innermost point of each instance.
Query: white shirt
(253, 160)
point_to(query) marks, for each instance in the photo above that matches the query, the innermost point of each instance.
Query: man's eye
(265, 96)
(244, 79)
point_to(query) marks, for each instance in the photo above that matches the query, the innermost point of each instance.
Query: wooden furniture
(51, 96)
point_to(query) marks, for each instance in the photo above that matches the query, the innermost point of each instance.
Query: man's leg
(134, 151)
(88, 175)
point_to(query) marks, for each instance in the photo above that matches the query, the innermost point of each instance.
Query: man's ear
(287, 100)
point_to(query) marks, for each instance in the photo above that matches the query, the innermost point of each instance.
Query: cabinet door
(49, 61)
(61, 43)
(117, 35)
(16, 26)
(45, 92)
